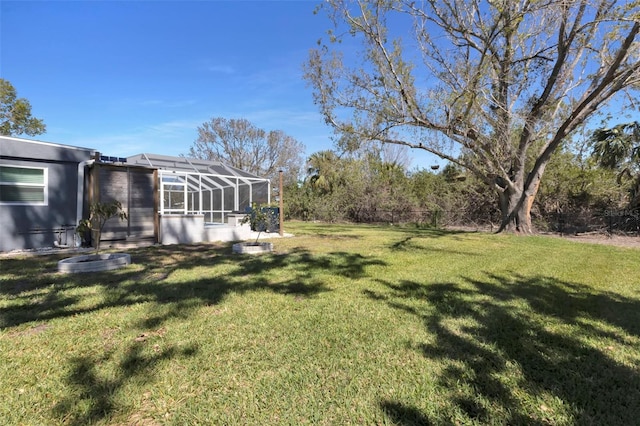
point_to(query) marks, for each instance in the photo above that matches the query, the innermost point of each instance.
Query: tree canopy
(494, 86)
(15, 113)
(241, 144)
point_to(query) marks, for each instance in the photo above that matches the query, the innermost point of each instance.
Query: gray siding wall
(24, 226)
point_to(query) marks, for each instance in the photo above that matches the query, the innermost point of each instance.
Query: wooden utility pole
(281, 207)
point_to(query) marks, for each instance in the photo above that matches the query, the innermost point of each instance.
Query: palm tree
(323, 170)
(618, 148)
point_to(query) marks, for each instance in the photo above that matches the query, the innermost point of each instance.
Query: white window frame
(44, 186)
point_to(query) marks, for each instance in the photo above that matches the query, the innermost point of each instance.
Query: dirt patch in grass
(30, 331)
(591, 238)
(144, 416)
(143, 337)
(612, 240)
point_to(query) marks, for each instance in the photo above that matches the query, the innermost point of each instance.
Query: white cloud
(167, 138)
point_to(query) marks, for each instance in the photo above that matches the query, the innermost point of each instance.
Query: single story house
(46, 189)
(41, 192)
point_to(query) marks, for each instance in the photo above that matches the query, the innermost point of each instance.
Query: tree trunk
(515, 207)
(516, 200)
(516, 215)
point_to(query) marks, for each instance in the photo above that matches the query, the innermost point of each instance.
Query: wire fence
(608, 221)
(434, 218)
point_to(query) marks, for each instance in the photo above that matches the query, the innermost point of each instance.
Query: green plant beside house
(259, 219)
(99, 214)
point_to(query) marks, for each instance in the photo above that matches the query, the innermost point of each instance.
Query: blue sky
(126, 77)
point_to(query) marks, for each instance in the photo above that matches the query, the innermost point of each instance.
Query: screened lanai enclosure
(199, 187)
(175, 200)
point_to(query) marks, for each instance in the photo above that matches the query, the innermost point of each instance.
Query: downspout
(268, 192)
(80, 193)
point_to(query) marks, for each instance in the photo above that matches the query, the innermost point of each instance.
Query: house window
(23, 185)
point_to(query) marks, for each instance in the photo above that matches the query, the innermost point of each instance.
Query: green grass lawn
(340, 325)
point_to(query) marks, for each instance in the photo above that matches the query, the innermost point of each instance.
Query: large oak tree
(493, 86)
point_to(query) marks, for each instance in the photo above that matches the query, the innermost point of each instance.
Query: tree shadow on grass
(404, 415)
(92, 396)
(353, 231)
(412, 243)
(419, 239)
(431, 232)
(46, 295)
(525, 350)
(176, 281)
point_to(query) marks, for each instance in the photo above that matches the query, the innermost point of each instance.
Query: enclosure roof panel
(183, 164)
